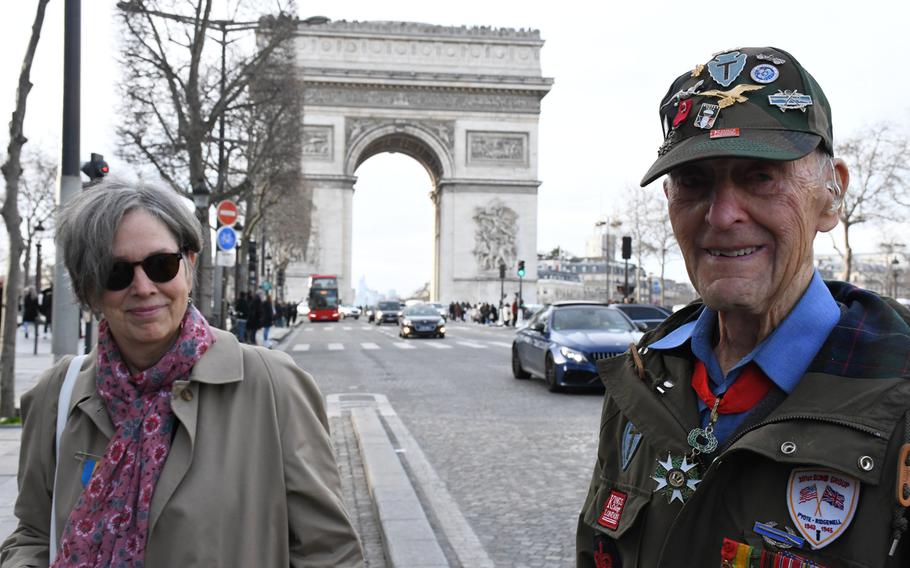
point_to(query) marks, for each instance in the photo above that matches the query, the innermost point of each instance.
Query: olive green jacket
(251, 478)
(851, 425)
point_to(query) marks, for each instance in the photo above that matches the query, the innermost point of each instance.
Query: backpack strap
(63, 405)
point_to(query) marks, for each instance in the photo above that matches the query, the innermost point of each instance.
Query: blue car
(563, 341)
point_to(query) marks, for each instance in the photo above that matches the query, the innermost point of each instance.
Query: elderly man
(769, 423)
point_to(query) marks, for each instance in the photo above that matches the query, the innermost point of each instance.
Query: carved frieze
(497, 148)
(442, 130)
(496, 227)
(417, 99)
(318, 142)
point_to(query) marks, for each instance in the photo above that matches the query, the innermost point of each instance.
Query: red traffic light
(96, 168)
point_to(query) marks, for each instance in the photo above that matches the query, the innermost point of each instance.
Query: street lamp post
(895, 271)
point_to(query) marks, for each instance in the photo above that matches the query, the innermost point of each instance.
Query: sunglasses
(160, 267)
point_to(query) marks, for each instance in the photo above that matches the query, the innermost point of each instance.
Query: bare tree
(37, 201)
(12, 170)
(877, 160)
(179, 92)
(638, 218)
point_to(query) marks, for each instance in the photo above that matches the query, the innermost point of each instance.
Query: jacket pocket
(616, 508)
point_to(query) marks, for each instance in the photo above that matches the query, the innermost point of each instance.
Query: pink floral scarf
(110, 523)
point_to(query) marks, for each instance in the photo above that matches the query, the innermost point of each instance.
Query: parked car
(421, 320)
(648, 314)
(387, 312)
(563, 341)
(349, 312)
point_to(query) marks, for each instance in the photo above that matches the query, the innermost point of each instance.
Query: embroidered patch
(726, 67)
(612, 510)
(821, 503)
(725, 133)
(631, 438)
(605, 554)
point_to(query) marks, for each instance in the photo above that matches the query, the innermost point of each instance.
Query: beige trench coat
(251, 479)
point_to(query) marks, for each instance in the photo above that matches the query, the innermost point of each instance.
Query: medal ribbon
(751, 386)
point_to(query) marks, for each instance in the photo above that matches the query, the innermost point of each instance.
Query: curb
(407, 536)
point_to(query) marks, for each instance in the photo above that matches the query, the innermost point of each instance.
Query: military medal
(676, 478)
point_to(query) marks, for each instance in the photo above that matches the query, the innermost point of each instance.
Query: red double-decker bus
(323, 298)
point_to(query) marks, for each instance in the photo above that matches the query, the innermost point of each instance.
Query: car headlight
(379, 314)
(572, 355)
(406, 323)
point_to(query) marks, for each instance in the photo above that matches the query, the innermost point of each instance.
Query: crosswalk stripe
(438, 345)
(365, 328)
(369, 346)
(309, 328)
(336, 347)
(471, 344)
(501, 344)
(347, 328)
(301, 347)
(401, 345)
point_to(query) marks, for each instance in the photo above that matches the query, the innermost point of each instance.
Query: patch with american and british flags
(822, 503)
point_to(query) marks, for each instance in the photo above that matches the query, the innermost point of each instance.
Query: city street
(501, 465)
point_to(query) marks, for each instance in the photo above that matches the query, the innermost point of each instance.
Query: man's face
(746, 227)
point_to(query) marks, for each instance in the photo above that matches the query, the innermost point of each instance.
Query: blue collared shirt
(784, 355)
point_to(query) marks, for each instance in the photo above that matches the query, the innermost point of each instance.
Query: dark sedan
(421, 320)
(648, 314)
(562, 343)
(387, 312)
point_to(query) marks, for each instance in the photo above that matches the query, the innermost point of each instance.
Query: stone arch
(409, 139)
(465, 103)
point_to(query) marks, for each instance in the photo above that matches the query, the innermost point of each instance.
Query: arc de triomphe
(465, 103)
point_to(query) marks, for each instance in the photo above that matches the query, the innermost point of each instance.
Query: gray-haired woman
(181, 447)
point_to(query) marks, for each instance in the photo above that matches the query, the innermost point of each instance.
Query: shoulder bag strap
(63, 405)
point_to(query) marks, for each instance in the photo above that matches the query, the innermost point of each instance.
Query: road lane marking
(500, 344)
(402, 345)
(336, 347)
(301, 347)
(347, 328)
(471, 344)
(369, 346)
(309, 328)
(437, 345)
(365, 328)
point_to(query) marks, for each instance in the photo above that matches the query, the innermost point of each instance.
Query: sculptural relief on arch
(465, 103)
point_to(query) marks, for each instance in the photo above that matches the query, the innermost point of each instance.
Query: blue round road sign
(226, 238)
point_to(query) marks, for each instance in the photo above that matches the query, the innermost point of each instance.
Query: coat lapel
(86, 398)
(221, 364)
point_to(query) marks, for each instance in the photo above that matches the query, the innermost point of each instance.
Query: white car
(349, 311)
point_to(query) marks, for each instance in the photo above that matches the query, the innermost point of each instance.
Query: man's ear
(836, 184)
(667, 187)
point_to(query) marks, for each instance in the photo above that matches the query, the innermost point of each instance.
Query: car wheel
(356, 318)
(550, 375)
(517, 371)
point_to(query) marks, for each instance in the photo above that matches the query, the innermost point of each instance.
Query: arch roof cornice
(417, 29)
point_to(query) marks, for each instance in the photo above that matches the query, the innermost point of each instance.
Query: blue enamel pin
(631, 438)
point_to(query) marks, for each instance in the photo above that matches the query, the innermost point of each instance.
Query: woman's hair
(86, 227)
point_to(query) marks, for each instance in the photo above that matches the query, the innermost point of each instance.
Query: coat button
(865, 463)
(186, 394)
(788, 448)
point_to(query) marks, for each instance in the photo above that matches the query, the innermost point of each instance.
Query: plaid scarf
(109, 525)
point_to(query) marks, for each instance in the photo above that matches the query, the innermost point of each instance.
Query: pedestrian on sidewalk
(181, 446)
(268, 317)
(47, 307)
(255, 320)
(30, 310)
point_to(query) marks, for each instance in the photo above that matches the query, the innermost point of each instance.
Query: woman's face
(145, 316)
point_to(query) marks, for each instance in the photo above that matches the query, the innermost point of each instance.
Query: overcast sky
(599, 128)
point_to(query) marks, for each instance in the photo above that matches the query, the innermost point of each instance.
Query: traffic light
(280, 277)
(502, 271)
(96, 168)
(521, 269)
(627, 247)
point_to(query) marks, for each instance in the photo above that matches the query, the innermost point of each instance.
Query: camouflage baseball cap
(753, 102)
